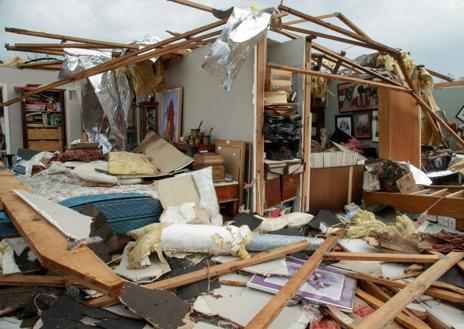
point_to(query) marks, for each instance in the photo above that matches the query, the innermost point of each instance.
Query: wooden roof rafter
(65, 38)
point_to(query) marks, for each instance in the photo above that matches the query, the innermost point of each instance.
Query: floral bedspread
(60, 187)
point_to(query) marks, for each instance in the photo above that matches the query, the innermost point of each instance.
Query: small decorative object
(356, 97)
(375, 126)
(171, 114)
(460, 114)
(344, 123)
(362, 124)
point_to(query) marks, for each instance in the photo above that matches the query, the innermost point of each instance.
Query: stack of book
(333, 159)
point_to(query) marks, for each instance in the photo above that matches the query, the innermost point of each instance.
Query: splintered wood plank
(451, 207)
(401, 318)
(18, 279)
(397, 303)
(273, 308)
(50, 245)
(432, 291)
(213, 271)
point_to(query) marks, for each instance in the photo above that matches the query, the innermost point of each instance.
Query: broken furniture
(228, 193)
(333, 188)
(445, 200)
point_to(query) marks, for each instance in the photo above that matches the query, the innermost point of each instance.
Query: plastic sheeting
(230, 50)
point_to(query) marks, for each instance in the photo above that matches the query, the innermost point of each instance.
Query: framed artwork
(357, 97)
(344, 123)
(362, 125)
(170, 114)
(460, 114)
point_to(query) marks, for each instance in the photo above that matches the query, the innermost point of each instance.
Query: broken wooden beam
(50, 245)
(439, 85)
(136, 56)
(18, 279)
(69, 38)
(351, 25)
(213, 271)
(298, 21)
(327, 51)
(433, 291)
(382, 257)
(273, 308)
(65, 45)
(401, 318)
(338, 29)
(192, 4)
(439, 75)
(398, 302)
(336, 77)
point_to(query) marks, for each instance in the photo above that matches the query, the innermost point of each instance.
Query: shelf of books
(44, 120)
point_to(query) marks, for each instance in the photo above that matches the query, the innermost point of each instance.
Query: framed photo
(357, 97)
(170, 114)
(344, 123)
(460, 114)
(362, 125)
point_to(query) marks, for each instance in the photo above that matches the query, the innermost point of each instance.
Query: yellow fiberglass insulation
(319, 88)
(366, 224)
(386, 61)
(426, 81)
(126, 163)
(409, 63)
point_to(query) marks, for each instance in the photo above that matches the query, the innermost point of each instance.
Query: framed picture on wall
(344, 122)
(356, 97)
(362, 125)
(460, 114)
(170, 114)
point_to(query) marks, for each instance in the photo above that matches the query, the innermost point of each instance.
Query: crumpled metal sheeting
(112, 90)
(230, 50)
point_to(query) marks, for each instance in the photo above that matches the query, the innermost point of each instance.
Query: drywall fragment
(69, 222)
(240, 305)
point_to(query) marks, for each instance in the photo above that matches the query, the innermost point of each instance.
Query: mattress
(124, 211)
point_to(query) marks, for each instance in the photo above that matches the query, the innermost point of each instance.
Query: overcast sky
(433, 31)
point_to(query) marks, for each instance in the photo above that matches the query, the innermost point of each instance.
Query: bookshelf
(43, 120)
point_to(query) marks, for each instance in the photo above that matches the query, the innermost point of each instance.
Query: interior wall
(450, 100)
(229, 113)
(12, 77)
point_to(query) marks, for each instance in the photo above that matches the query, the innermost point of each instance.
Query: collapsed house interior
(223, 179)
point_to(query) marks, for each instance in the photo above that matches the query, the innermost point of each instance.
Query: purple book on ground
(327, 285)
